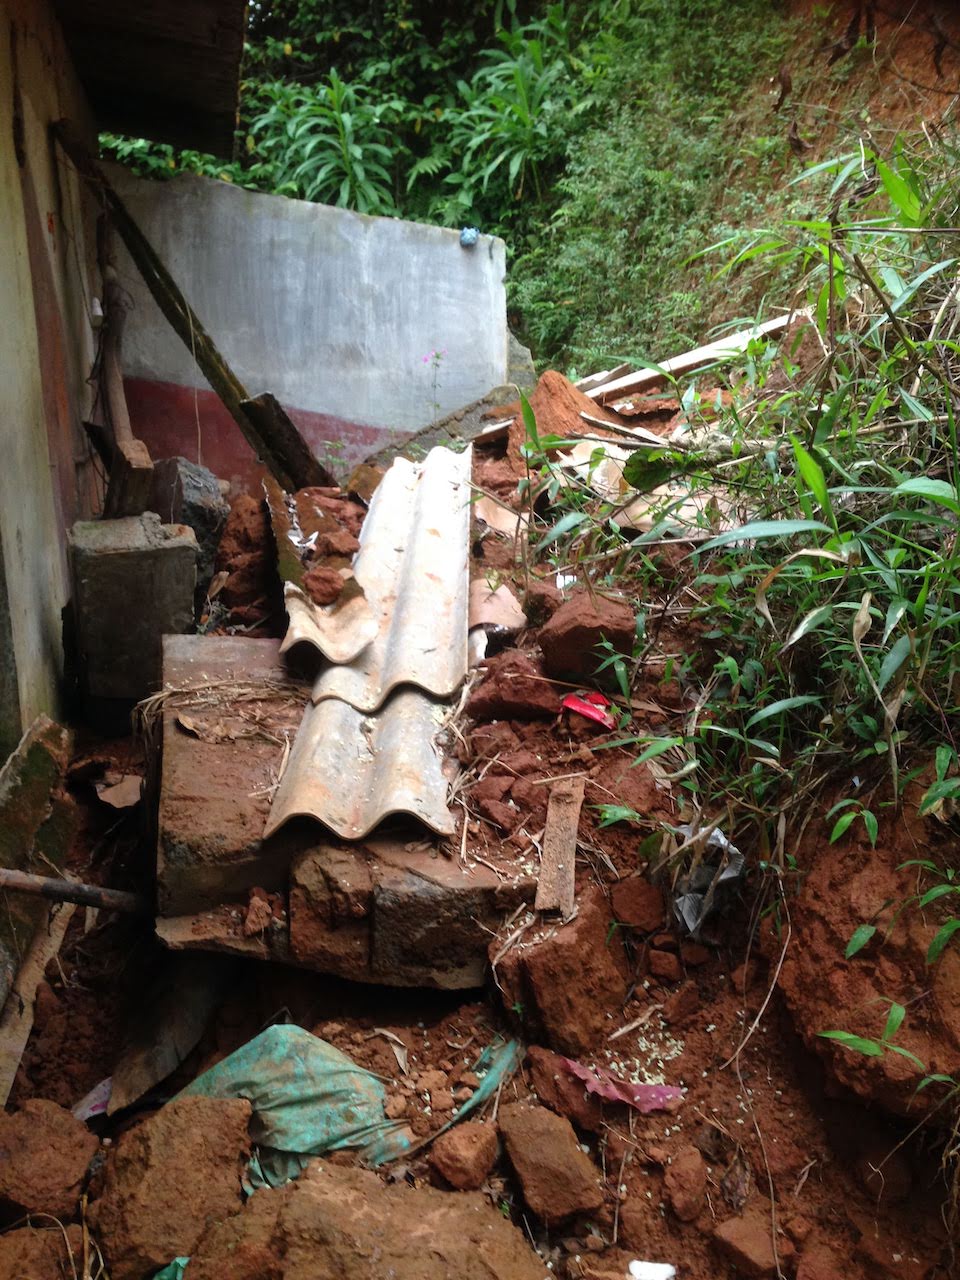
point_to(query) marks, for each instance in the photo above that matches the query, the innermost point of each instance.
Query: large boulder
(337, 1223)
(169, 1180)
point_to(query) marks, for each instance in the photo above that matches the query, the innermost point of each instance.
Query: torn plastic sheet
(308, 1098)
(592, 706)
(95, 1102)
(697, 896)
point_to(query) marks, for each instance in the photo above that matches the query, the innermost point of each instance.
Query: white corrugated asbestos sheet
(366, 749)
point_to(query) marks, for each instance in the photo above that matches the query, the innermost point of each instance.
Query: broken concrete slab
(133, 583)
(185, 493)
(35, 829)
(390, 910)
(387, 912)
(396, 914)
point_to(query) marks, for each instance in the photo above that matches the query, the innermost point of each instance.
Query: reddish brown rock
(464, 1155)
(489, 740)
(513, 688)
(568, 982)
(40, 1252)
(322, 584)
(570, 640)
(489, 798)
(541, 601)
(170, 1179)
(694, 955)
(44, 1156)
(530, 799)
(336, 1223)
(638, 903)
(888, 1256)
(336, 543)
(562, 1092)
(665, 965)
(556, 1178)
(820, 1263)
(747, 1243)
(685, 1180)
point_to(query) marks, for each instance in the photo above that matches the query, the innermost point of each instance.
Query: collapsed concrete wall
(336, 313)
(47, 347)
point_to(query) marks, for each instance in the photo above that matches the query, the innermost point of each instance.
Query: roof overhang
(168, 70)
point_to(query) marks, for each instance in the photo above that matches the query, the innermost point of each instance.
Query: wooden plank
(555, 890)
(595, 380)
(723, 349)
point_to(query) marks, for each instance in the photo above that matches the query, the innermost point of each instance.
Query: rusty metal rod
(87, 895)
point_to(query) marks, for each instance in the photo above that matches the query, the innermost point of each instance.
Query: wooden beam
(555, 888)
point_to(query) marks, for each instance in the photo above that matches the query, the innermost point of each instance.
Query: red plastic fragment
(645, 1097)
(590, 708)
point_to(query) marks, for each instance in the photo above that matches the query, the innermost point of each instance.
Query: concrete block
(184, 493)
(133, 583)
(37, 823)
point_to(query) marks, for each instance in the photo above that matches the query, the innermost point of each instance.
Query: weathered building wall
(336, 313)
(47, 274)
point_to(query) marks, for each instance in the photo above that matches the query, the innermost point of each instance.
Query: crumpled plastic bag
(696, 894)
(308, 1098)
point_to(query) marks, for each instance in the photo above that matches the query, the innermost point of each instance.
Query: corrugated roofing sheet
(413, 568)
(350, 771)
(339, 631)
(366, 746)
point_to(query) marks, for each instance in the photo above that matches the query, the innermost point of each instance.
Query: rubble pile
(564, 1077)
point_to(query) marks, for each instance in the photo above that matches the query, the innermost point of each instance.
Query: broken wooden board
(724, 349)
(168, 1025)
(36, 825)
(555, 890)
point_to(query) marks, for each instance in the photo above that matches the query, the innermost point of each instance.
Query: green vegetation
(600, 139)
(822, 575)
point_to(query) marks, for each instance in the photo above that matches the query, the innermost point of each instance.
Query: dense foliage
(821, 574)
(596, 137)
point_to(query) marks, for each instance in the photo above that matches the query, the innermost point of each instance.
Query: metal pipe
(87, 895)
